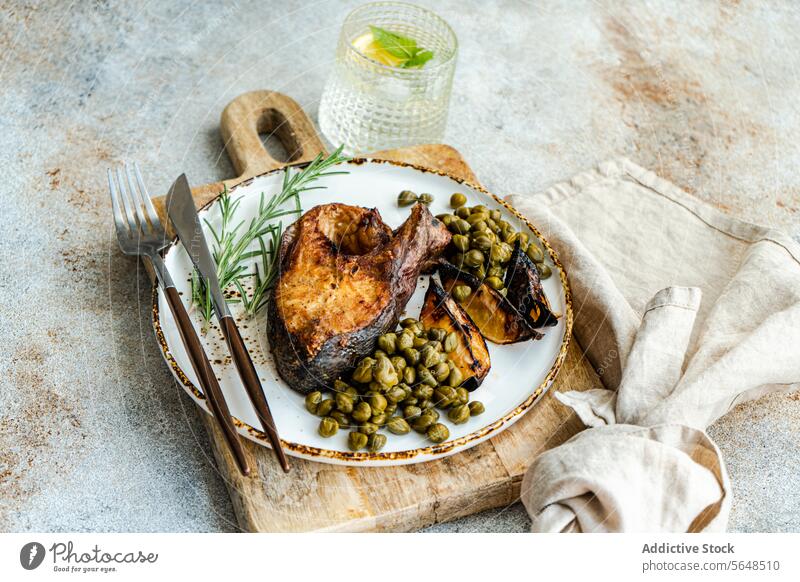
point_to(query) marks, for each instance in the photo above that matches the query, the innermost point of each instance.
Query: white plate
(519, 375)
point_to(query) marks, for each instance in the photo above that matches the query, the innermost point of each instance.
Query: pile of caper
(398, 387)
(482, 245)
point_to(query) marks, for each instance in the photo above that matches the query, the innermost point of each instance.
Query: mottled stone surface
(95, 435)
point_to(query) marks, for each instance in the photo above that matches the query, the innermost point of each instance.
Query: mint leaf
(396, 45)
(420, 58)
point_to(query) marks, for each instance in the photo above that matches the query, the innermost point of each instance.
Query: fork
(139, 232)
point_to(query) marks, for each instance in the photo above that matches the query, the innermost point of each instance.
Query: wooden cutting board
(317, 496)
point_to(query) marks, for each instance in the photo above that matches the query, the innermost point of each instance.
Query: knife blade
(184, 217)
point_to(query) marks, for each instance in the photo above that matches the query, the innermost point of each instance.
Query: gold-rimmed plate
(519, 376)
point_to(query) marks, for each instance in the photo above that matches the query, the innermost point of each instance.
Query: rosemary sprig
(233, 248)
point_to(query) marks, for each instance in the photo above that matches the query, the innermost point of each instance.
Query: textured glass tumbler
(369, 106)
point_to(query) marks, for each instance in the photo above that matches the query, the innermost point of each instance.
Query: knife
(183, 214)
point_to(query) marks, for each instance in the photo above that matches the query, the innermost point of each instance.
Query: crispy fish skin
(344, 280)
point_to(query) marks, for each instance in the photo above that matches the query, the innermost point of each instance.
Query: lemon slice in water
(369, 47)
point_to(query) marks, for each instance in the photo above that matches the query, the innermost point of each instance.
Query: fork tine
(148, 203)
(119, 219)
(138, 202)
(126, 203)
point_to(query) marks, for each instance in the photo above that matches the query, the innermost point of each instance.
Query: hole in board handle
(277, 137)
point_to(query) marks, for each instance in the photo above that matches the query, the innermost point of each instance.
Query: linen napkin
(685, 312)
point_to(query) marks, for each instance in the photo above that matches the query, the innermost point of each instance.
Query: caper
(494, 282)
(423, 392)
(340, 385)
(544, 271)
(441, 371)
(385, 372)
(476, 407)
(408, 322)
(412, 357)
(496, 254)
(535, 253)
(455, 378)
(512, 237)
(405, 340)
(376, 442)
(480, 227)
(463, 212)
(362, 412)
(474, 258)
(312, 401)
(363, 372)
(495, 215)
(341, 418)
(436, 334)
(479, 272)
(422, 422)
(461, 226)
(376, 387)
(398, 425)
(457, 259)
(419, 342)
(476, 217)
(409, 375)
(368, 428)
(482, 242)
(480, 208)
(406, 198)
(426, 198)
(443, 396)
(458, 414)
(325, 407)
(461, 242)
(379, 419)
(461, 293)
(357, 440)
(446, 218)
(429, 356)
(451, 341)
(344, 402)
(438, 433)
(328, 427)
(379, 353)
(462, 395)
(503, 224)
(492, 225)
(496, 272)
(391, 408)
(398, 363)
(377, 402)
(408, 401)
(425, 376)
(388, 343)
(411, 412)
(396, 394)
(457, 200)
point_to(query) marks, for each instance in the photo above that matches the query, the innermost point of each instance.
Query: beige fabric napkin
(685, 312)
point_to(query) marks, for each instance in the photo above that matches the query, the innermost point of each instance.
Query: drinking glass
(369, 106)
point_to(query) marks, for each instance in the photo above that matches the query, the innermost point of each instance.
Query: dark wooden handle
(271, 113)
(205, 374)
(249, 375)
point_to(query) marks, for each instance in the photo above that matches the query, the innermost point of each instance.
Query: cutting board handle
(256, 113)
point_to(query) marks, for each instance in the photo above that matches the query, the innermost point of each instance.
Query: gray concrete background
(95, 435)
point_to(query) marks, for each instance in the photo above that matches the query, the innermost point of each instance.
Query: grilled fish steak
(344, 279)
